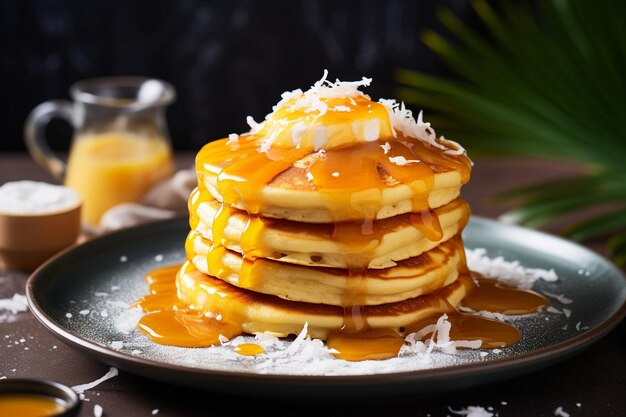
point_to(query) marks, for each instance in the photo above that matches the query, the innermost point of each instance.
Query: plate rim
(526, 362)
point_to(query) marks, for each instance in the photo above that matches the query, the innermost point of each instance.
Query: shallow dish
(80, 294)
(59, 393)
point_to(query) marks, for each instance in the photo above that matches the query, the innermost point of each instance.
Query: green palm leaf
(543, 79)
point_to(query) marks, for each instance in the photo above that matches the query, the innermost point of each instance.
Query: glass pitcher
(121, 144)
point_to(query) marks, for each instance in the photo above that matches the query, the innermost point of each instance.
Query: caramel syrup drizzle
(350, 179)
(169, 321)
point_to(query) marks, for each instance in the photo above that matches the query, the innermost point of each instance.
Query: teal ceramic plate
(82, 295)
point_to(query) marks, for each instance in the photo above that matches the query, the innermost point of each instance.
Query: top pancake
(372, 180)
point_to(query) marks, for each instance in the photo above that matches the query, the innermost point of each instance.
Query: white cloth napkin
(164, 201)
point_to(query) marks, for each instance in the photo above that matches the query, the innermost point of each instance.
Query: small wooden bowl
(29, 239)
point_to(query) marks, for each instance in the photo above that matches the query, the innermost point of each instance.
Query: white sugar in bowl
(37, 220)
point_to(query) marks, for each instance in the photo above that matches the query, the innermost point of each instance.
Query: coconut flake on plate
(559, 297)
(439, 340)
(509, 272)
(485, 314)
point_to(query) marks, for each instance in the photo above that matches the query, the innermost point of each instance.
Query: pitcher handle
(35, 136)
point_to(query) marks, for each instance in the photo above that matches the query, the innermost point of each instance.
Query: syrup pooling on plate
(357, 341)
(497, 297)
(186, 328)
(249, 349)
(169, 321)
(492, 333)
(365, 343)
(161, 290)
(369, 345)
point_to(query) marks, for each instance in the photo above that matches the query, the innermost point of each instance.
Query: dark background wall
(227, 59)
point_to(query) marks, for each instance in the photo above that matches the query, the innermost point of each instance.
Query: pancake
(261, 313)
(339, 184)
(340, 245)
(410, 278)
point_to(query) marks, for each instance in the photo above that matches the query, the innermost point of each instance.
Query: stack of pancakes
(339, 239)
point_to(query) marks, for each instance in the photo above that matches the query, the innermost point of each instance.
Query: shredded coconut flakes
(560, 412)
(401, 160)
(484, 313)
(80, 389)
(402, 120)
(15, 304)
(472, 411)
(439, 340)
(254, 126)
(559, 297)
(233, 140)
(509, 272)
(311, 101)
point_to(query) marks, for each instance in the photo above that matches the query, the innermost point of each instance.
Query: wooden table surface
(595, 378)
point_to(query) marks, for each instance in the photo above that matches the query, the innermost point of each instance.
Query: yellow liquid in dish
(112, 168)
(27, 405)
